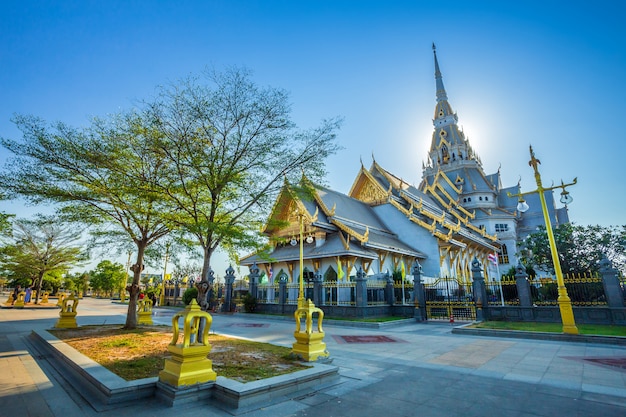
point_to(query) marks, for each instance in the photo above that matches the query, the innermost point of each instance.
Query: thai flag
(493, 258)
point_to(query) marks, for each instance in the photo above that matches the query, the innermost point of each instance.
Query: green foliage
(98, 176)
(39, 248)
(249, 303)
(190, 294)
(234, 144)
(107, 277)
(580, 248)
(207, 157)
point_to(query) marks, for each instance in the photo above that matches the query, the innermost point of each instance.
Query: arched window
(503, 255)
(444, 154)
(330, 274)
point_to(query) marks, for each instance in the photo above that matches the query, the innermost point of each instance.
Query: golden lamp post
(309, 345)
(162, 295)
(565, 304)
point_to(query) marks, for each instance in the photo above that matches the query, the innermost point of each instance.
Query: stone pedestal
(189, 364)
(309, 345)
(144, 311)
(67, 319)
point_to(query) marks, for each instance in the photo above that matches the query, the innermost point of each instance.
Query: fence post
(253, 283)
(361, 288)
(389, 291)
(523, 286)
(480, 291)
(612, 289)
(317, 288)
(210, 294)
(282, 293)
(419, 295)
(228, 290)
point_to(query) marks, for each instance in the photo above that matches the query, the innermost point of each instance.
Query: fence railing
(583, 290)
(338, 293)
(503, 292)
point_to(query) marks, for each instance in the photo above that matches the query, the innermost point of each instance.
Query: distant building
(384, 224)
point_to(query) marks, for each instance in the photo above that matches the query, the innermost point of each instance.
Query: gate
(449, 297)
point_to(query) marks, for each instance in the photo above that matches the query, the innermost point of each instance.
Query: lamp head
(566, 198)
(522, 206)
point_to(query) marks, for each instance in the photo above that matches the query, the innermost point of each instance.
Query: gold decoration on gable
(371, 192)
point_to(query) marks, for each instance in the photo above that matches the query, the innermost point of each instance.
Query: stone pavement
(409, 370)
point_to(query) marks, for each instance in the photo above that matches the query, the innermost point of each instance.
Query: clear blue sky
(547, 73)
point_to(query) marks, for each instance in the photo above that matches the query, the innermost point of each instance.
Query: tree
(107, 277)
(42, 246)
(77, 282)
(5, 220)
(96, 176)
(229, 145)
(580, 248)
(185, 274)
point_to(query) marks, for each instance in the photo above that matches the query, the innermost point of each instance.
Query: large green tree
(96, 175)
(107, 277)
(580, 248)
(42, 246)
(229, 145)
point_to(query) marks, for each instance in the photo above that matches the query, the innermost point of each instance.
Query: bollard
(189, 364)
(9, 300)
(62, 297)
(144, 311)
(309, 345)
(44, 298)
(67, 315)
(19, 303)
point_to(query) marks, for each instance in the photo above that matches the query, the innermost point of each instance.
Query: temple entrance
(448, 298)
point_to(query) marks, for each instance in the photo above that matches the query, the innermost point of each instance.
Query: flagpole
(402, 275)
(500, 282)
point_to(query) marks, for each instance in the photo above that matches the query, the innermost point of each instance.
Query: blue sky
(550, 73)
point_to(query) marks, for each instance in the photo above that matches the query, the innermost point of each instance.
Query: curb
(560, 337)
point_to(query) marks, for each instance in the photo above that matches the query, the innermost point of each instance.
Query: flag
(402, 270)
(493, 258)
(270, 273)
(340, 273)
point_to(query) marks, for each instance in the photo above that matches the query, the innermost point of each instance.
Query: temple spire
(441, 90)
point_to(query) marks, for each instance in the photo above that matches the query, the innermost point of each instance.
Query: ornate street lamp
(167, 253)
(309, 345)
(565, 304)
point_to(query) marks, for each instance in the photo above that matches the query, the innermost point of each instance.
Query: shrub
(190, 294)
(249, 303)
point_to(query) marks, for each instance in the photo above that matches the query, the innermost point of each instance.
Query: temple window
(503, 255)
(444, 154)
(502, 227)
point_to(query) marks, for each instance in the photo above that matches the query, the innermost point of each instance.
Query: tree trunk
(203, 285)
(133, 288)
(38, 287)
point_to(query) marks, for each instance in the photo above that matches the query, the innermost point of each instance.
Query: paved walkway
(410, 370)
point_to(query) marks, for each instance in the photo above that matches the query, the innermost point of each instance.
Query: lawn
(140, 353)
(587, 329)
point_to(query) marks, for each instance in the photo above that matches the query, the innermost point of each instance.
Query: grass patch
(140, 353)
(368, 319)
(588, 329)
